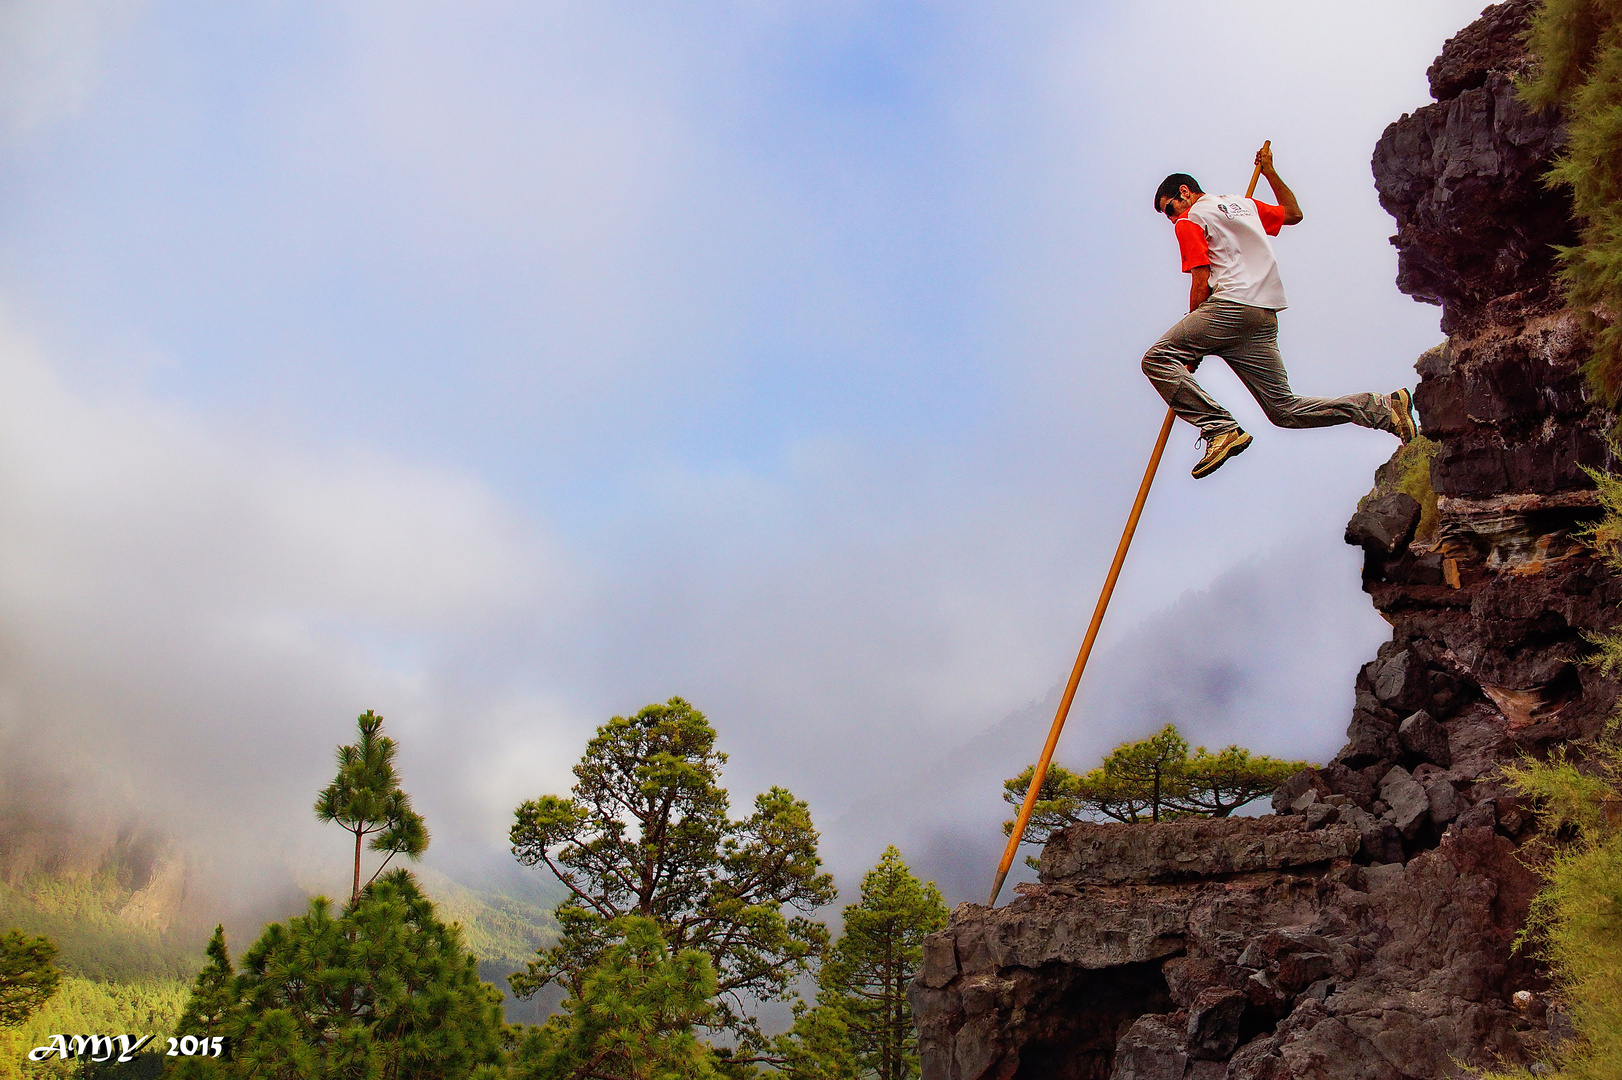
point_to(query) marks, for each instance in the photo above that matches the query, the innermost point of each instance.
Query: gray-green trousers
(1247, 338)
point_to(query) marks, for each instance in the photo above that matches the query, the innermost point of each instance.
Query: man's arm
(1285, 197)
(1199, 290)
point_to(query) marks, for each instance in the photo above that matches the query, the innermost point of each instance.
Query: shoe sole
(1403, 416)
(1235, 448)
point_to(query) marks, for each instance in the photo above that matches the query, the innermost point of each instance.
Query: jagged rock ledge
(1100, 854)
(1301, 959)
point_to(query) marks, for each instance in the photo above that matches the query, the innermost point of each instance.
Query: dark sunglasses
(1170, 210)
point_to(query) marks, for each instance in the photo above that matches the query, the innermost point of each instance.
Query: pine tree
(1136, 778)
(1578, 45)
(1218, 784)
(864, 980)
(28, 976)
(647, 832)
(1154, 778)
(818, 1047)
(632, 1018)
(210, 1009)
(366, 799)
(384, 989)
(1152, 766)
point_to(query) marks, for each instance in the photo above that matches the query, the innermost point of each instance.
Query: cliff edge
(1364, 929)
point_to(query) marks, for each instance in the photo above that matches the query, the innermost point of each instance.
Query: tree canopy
(366, 799)
(384, 989)
(1154, 779)
(28, 976)
(646, 831)
(633, 1017)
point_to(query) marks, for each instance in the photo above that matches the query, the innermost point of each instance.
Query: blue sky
(506, 366)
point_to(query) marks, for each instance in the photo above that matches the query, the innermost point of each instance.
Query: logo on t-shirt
(1234, 209)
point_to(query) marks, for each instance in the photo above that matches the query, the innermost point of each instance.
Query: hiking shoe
(1219, 448)
(1401, 405)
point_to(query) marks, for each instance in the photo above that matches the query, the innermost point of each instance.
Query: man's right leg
(1211, 328)
(1169, 362)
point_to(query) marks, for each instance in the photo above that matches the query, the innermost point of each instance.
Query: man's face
(1178, 205)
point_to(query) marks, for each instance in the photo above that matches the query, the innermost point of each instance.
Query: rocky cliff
(1365, 929)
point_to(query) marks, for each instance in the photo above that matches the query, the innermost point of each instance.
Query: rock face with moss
(1365, 929)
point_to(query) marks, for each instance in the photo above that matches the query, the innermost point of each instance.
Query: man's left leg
(1257, 362)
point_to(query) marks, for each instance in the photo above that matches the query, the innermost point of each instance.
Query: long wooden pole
(1042, 763)
(1046, 759)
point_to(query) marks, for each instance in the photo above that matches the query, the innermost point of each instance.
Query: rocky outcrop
(1289, 969)
(1091, 854)
(156, 904)
(1364, 929)
(1462, 177)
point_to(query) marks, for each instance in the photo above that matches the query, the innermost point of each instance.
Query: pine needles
(1578, 44)
(1576, 918)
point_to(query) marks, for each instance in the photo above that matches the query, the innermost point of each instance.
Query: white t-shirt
(1229, 234)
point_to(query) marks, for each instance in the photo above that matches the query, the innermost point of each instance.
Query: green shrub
(1578, 45)
(1576, 919)
(1409, 472)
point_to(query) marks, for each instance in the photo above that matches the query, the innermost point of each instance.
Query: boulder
(1423, 736)
(1371, 737)
(1213, 1023)
(1385, 524)
(1295, 787)
(1150, 1050)
(1445, 804)
(1400, 682)
(1410, 805)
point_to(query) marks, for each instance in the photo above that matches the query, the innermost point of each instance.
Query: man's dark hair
(1171, 185)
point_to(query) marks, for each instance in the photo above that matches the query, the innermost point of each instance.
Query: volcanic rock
(1424, 737)
(1090, 854)
(1385, 525)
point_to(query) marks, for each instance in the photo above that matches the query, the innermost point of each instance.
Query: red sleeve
(1191, 241)
(1272, 216)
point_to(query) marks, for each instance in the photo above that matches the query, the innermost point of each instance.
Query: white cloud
(51, 55)
(197, 617)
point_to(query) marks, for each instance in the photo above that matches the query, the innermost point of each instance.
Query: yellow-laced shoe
(1219, 448)
(1401, 404)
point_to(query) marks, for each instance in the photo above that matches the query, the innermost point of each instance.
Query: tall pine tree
(863, 983)
(383, 990)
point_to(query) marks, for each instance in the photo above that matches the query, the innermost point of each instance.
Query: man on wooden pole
(1233, 306)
